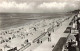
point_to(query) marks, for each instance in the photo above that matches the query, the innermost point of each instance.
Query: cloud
(33, 7)
(58, 6)
(16, 7)
(52, 6)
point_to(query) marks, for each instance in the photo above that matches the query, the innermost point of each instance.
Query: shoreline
(17, 26)
(27, 23)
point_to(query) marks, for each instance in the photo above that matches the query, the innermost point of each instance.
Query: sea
(8, 20)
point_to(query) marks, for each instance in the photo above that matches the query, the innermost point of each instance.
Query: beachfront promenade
(66, 35)
(55, 36)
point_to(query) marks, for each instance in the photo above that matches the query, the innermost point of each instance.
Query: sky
(38, 6)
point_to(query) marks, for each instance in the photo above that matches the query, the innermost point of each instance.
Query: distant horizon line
(38, 12)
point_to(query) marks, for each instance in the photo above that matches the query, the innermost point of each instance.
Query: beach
(16, 36)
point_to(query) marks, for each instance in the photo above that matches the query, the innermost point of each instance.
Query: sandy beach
(16, 37)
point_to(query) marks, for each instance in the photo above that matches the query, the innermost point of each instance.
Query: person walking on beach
(49, 36)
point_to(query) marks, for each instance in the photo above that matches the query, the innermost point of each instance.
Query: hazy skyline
(38, 6)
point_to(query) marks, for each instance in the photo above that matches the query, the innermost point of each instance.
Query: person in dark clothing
(27, 40)
(49, 34)
(70, 47)
(41, 40)
(9, 38)
(77, 38)
(49, 37)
